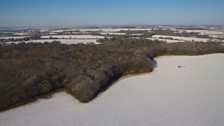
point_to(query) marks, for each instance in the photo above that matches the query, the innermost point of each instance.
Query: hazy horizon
(27, 13)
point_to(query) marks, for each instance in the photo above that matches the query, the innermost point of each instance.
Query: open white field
(72, 37)
(210, 33)
(182, 91)
(180, 38)
(105, 29)
(204, 32)
(13, 37)
(111, 30)
(112, 33)
(166, 40)
(20, 34)
(63, 41)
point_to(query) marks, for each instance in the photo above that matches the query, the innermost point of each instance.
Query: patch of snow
(72, 37)
(63, 41)
(115, 30)
(204, 32)
(20, 34)
(112, 33)
(52, 33)
(44, 30)
(166, 40)
(207, 32)
(13, 37)
(137, 34)
(181, 38)
(57, 31)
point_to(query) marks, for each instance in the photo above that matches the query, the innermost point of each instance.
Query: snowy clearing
(166, 40)
(20, 34)
(13, 37)
(114, 29)
(206, 32)
(181, 38)
(63, 41)
(137, 34)
(112, 33)
(73, 37)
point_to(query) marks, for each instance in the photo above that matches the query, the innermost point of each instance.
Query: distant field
(62, 41)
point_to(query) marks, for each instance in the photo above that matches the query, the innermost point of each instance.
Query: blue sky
(110, 12)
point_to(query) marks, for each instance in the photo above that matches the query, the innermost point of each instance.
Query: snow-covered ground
(210, 33)
(204, 32)
(73, 37)
(63, 41)
(112, 33)
(137, 34)
(217, 36)
(13, 37)
(44, 30)
(20, 34)
(166, 40)
(114, 29)
(182, 91)
(180, 38)
(140, 29)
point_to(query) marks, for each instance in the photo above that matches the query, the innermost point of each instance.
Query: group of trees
(30, 70)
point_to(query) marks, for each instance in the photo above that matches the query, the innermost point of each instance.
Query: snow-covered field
(114, 29)
(72, 37)
(140, 29)
(105, 29)
(20, 34)
(112, 33)
(180, 38)
(44, 30)
(13, 37)
(166, 40)
(63, 41)
(137, 34)
(204, 32)
(182, 91)
(210, 33)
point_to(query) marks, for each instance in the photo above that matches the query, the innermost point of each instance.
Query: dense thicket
(31, 70)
